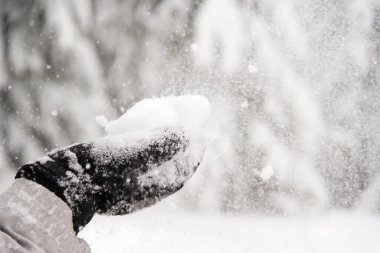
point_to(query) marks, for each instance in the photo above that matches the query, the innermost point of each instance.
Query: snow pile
(189, 111)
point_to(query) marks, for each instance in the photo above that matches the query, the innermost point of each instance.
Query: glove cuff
(72, 188)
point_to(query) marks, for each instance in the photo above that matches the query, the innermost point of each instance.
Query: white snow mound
(189, 111)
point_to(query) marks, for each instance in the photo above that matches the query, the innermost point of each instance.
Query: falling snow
(292, 139)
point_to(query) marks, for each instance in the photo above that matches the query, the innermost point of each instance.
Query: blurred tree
(293, 85)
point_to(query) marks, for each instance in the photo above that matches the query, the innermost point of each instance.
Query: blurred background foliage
(294, 86)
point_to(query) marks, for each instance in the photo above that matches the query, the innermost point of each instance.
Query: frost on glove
(117, 174)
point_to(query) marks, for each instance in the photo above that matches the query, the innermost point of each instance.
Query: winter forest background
(293, 84)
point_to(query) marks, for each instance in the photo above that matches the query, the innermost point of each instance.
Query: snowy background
(293, 154)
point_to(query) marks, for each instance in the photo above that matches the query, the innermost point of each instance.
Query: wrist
(73, 189)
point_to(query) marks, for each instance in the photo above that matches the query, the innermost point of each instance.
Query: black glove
(116, 174)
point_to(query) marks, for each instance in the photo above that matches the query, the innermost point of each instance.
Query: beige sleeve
(33, 219)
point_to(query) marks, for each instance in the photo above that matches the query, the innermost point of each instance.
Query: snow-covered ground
(160, 230)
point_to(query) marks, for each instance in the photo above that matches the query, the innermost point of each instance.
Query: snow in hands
(187, 111)
(130, 168)
(147, 120)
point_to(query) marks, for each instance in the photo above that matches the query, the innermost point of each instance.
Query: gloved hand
(117, 174)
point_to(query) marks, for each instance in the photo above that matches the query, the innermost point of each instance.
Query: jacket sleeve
(33, 219)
